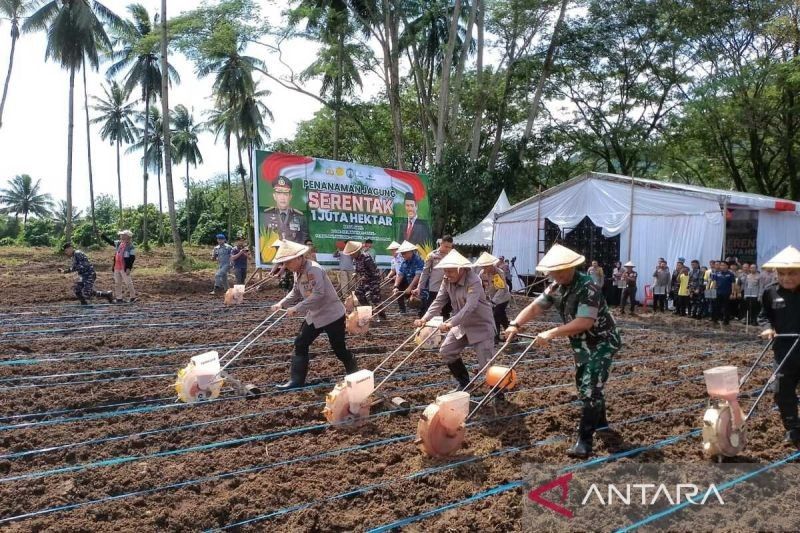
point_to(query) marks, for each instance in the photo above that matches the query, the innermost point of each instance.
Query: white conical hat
(394, 245)
(276, 244)
(454, 260)
(352, 247)
(559, 258)
(289, 250)
(486, 259)
(629, 264)
(407, 247)
(789, 257)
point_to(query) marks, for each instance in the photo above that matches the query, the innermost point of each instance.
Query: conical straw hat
(454, 260)
(789, 257)
(276, 244)
(407, 247)
(289, 250)
(629, 264)
(559, 258)
(394, 245)
(352, 247)
(486, 259)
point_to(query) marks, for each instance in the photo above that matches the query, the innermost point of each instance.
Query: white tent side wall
(666, 223)
(776, 231)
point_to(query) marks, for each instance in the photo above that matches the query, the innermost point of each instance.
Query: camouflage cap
(283, 184)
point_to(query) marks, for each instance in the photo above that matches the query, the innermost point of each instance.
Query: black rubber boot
(82, 300)
(583, 445)
(460, 372)
(602, 421)
(108, 295)
(297, 374)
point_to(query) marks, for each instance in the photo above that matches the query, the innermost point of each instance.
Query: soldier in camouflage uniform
(288, 223)
(369, 278)
(591, 330)
(84, 288)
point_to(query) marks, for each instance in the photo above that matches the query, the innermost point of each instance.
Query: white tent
(481, 235)
(653, 219)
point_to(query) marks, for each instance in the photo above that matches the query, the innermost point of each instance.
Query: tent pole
(724, 227)
(630, 224)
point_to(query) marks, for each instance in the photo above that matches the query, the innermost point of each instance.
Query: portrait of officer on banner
(411, 228)
(288, 223)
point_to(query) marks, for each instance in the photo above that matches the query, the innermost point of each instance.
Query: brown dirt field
(88, 418)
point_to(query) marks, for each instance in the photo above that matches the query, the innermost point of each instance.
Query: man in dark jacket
(84, 288)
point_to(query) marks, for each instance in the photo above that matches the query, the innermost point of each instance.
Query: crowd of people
(721, 291)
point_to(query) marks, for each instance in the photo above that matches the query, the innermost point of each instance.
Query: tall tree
(13, 10)
(116, 117)
(184, 140)
(173, 218)
(154, 156)
(222, 122)
(136, 48)
(89, 150)
(23, 197)
(74, 33)
(60, 218)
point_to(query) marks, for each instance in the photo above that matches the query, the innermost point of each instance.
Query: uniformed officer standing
(472, 323)
(369, 278)
(314, 295)
(591, 330)
(431, 279)
(780, 314)
(289, 224)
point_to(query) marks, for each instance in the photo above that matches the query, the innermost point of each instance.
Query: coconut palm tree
(116, 117)
(60, 219)
(154, 154)
(184, 141)
(13, 10)
(222, 123)
(22, 197)
(74, 32)
(136, 49)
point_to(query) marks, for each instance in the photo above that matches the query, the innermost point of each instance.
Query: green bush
(38, 232)
(7, 241)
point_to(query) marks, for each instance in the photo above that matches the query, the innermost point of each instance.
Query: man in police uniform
(780, 314)
(472, 323)
(591, 330)
(289, 224)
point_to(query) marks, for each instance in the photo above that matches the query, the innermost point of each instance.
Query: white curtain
(517, 239)
(776, 230)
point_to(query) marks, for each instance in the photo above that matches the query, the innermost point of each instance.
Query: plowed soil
(92, 439)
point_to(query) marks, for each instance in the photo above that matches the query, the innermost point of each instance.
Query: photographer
(239, 256)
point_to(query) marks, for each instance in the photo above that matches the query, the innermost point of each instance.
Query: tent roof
(481, 234)
(734, 198)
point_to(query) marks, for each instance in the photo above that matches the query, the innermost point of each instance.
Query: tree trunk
(160, 208)
(444, 85)
(455, 92)
(89, 150)
(119, 190)
(173, 218)
(337, 94)
(244, 183)
(230, 203)
(476, 125)
(546, 68)
(70, 124)
(144, 160)
(391, 60)
(14, 36)
(501, 113)
(188, 221)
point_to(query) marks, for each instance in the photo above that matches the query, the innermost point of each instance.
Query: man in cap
(591, 330)
(222, 255)
(394, 265)
(84, 288)
(314, 296)
(431, 278)
(780, 314)
(124, 256)
(369, 278)
(411, 228)
(282, 219)
(629, 278)
(408, 273)
(472, 323)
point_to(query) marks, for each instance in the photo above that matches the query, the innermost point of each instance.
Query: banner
(332, 202)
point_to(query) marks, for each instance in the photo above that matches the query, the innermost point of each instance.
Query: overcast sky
(33, 139)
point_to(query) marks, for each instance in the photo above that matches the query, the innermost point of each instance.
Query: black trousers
(682, 305)
(628, 293)
(336, 336)
(721, 308)
(697, 305)
(660, 302)
(501, 321)
(402, 301)
(751, 308)
(446, 310)
(785, 386)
